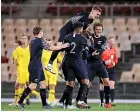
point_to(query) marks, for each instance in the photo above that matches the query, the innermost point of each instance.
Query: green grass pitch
(95, 107)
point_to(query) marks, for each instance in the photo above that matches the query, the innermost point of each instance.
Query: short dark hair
(97, 24)
(78, 25)
(96, 7)
(36, 30)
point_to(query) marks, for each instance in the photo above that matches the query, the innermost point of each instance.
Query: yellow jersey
(22, 56)
(46, 57)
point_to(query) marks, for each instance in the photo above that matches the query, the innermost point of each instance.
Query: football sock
(24, 95)
(69, 95)
(112, 94)
(43, 96)
(35, 93)
(78, 95)
(20, 91)
(63, 96)
(16, 96)
(102, 96)
(83, 88)
(107, 94)
(86, 95)
(51, 96)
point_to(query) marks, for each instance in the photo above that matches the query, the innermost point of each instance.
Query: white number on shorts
(73, 47)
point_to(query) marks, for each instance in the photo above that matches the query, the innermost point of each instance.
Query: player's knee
(85, 81)
(52, 87)
(42, 84)
(33, 86)
(106, 81)
(101, 86)
(112, 84)
(21, 85)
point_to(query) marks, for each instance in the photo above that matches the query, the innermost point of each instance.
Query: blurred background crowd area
(121, 19)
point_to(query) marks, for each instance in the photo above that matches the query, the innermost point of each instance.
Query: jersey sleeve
(44, 45)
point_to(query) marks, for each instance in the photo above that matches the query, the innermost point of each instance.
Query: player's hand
(95, 53)
(107, 62)
(49, 68)
(65, 45)
(113, 64)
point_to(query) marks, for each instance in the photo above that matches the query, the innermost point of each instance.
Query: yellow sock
(35, 92)
(51, 96)
(28, 97)
(16, 96)
(20, 91)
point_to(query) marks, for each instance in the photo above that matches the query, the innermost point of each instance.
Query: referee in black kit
(35, 68)
(85, 17)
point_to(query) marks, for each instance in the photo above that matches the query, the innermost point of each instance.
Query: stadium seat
(21, 31)
(32, 23)
(123, 37)
(133, 29)
(135, 38)
(4, 72)
(132, 22)
(119, 22)
(120, 29)
(8, 30)
(45, 23)
(9, 37)
(66, 20)
(136, 68)
(7, 22)
(57, 22)
(126, 77)
(20, 23)
(125, 45)
(137, 77)
(107, 22)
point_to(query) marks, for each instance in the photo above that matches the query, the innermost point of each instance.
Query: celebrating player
(109, 58)
(95, 64)
(73, 67)
(85, 17)
(35, 66)
(51, 79)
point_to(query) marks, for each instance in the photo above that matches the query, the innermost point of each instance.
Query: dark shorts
(97, 70)
(111, 74)
(74, 69)
(36, 75)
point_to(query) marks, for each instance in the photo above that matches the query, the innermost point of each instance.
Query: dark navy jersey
(36, 47)
(80, 17)
(99, 45)
(77, 44)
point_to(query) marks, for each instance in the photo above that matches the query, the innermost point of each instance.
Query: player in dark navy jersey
(95, 64)
(35, 66)
(73, 67)
(85, 17)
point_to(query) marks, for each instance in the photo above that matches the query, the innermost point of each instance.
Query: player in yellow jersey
(51, 79)
(14, 62)
(22, 58)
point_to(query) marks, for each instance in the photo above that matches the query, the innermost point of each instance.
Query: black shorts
(74, 69)
(36, 75)
(97, 70)
(111, 74)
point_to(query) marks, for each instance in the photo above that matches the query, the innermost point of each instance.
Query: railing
(41, 11)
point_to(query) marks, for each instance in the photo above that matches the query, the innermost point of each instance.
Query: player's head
(17, 43)
(38, 31)
(98, 29)
(95, 12)
(78, 27)
(111, 41)
(24, 40)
